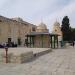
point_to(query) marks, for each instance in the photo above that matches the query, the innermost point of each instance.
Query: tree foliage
(65, 28)
(73, 34)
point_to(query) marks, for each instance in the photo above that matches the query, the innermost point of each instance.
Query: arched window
(33, 28)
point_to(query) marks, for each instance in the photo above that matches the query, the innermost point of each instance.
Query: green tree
(65, 28)
(73, 34)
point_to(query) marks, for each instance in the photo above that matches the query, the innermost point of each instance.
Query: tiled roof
(40, 33)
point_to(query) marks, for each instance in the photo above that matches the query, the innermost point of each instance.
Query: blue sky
(34, 11)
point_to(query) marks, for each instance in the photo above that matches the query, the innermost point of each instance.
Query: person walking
(73, 43)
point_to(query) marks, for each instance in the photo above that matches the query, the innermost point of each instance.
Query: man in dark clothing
(73, 43)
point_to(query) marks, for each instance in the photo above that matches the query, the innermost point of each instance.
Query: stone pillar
(42, 40)
(54, 42)
(33, 40)
(51, 41)
(57, 41)
(30, 41)
(27, 41)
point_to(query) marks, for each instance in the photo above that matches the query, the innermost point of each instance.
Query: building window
(19, 41)
(33, 28)
(9, 40)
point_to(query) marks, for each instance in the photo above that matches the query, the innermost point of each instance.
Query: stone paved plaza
(57, 62)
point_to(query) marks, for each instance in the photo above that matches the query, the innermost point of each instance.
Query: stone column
(54, 42)
(57, 41)
(27, 41)
(42, 40)
(51, 41)
(33, 40)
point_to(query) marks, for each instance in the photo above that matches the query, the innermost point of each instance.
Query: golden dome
(57, 24)
(42, 26)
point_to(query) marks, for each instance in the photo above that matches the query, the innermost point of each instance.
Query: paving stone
(58, 62)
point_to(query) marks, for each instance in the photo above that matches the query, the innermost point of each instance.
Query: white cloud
(68, 10)
(34, 10)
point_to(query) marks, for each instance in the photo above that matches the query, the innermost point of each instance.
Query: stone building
(42, 38)
(23, 33)
(14, 30)
(57, 30)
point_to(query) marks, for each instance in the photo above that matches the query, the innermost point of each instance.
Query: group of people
(11, 44)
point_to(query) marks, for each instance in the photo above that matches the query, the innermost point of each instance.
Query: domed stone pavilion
(42, 38)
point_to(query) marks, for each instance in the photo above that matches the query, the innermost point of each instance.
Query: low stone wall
(18, 58)
(22, 55)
